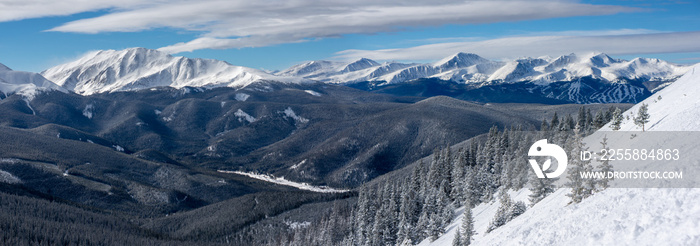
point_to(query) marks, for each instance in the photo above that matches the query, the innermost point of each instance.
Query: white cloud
(235, 24)
(513, 47)
(12, 10)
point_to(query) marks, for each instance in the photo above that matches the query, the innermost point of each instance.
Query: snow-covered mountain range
(471, 68)
(591, 78)
(27, 84)
(140, 68)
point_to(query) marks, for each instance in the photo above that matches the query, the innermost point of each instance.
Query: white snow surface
(140, 68)
(8, 178)
(26, 84)
(313, 93)
(290, 113)
(615, 216)
(282, 181)
(674, 108)
(241, 97)
(244, 116)
(471, 68)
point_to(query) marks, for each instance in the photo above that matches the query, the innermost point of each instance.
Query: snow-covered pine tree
(544, 126)
(405, 221)
(367, 207)
(581, 117)
(589, 121)
(540, 188)
(445, 208)
(609, 113)
(616, 120)
(555, 122)
(605, 166)
(599, 119)
(516, 210)
(642, 116)
(447, 172)
(403, 234)
(467, 228)
(521, 169)
(567, 124)
(580, 188)
(384, 230)
(502, 214)
(470, 189)
(380, 219)
(458, 178)
(483, 185)
(434, 228)
(457, 241)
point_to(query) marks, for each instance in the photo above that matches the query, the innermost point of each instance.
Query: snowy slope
(471, 68)
(616, 216)
(26, 84)
(675, 108)
(139, 68)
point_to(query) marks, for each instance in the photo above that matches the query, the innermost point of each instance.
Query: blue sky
(275, 35)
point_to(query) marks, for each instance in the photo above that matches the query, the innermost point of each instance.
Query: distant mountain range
(591, 78)
(471, 68)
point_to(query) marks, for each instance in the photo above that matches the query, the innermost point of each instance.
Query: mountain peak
(460, 60)
(601, 59)
(140, 68)
(362, 63)
(27, 84)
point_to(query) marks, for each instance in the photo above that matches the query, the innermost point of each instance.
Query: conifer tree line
(422, 205)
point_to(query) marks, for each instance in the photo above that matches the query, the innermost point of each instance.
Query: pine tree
(580, 188)
(408, 214)
(502, 214)
(589, 120)
(555, 121)
(605, 166)
(445, 206)
(434, 228)
(609, 113)
(568, 123)
(544, 126)
(642, 116)
(540, 188)
(616, 119)
(422, 227)
(467, 228)
(458, 168)
(581, 117)
(516, 210)
(599, 120)
(457, 241)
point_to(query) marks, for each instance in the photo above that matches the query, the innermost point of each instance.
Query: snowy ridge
(471, 68)
(282, 181)
(632, 216)
(140, 68)
(26, 84)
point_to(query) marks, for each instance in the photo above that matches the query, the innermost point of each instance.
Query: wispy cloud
(604, 32)
(235, 24)
(513, 47)
(12, 10)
